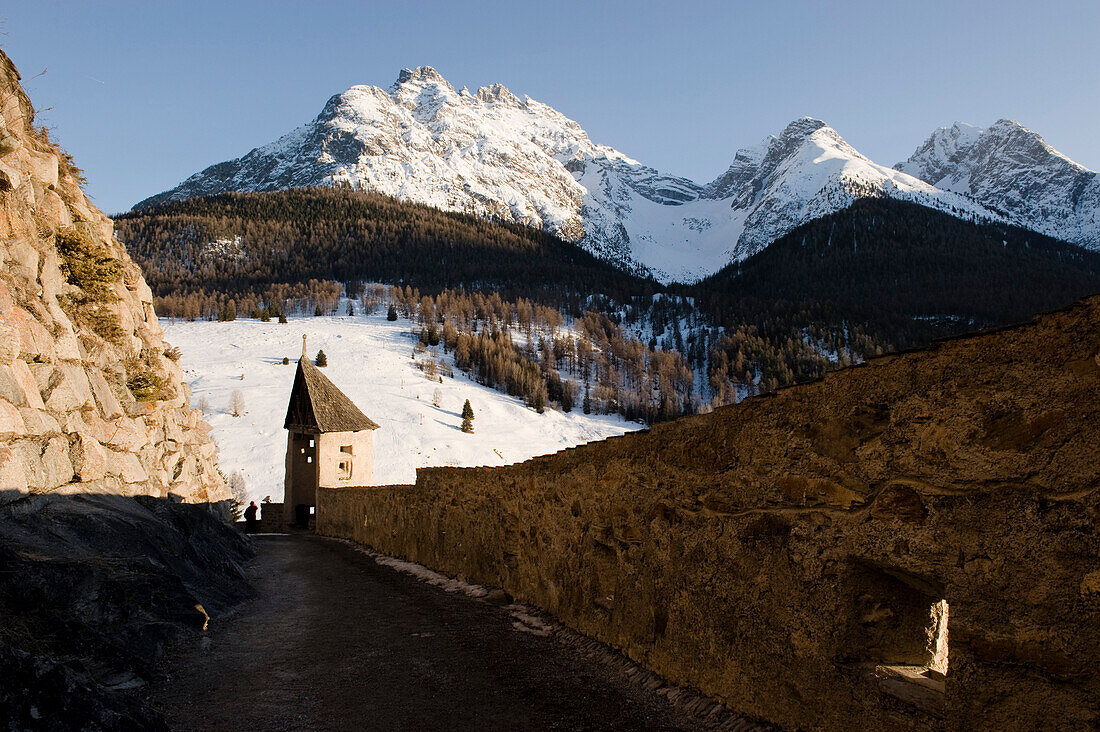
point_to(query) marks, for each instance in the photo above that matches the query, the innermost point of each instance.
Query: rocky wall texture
(789, 555)
(91, 397)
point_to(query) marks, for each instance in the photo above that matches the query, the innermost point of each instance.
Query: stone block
(39, 423)
(27, 257)
(127, 466)
(187, 471)
(18, 386)
(34, 339)
(60, 394)
(89, 458)
(79, 378)
(11, 421)
(52, 209)
(127, 435)
(74, 423)
(10, 178)
(137, 409)
(145, 295)
(30, 454)
(50, 277)
(121, 308)
(9, 342)
(43, 167)
(66, 345)
(7, 302)
(56, 464)
(27, 382)
(172, 430)
(13, 477)
(105, 398)
(98, 427)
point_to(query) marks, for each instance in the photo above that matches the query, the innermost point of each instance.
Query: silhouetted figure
(250, 522)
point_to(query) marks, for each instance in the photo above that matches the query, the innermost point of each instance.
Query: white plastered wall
(361, 458)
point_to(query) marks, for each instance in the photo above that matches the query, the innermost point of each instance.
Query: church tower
(329, 442)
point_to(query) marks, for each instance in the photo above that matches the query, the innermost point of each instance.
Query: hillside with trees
(879, 276)
(287, 244)
(543, 320)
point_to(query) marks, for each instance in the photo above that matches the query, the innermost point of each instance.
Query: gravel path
(336, 641)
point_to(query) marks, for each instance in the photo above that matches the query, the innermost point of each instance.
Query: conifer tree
(391, 314)
(467, 418)
(322, 359)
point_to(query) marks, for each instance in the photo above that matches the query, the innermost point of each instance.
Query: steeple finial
(303, 345)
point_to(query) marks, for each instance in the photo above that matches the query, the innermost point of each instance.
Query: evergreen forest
(542, 319)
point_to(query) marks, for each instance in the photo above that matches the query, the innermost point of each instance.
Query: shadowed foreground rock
(791, 555)
(92, 589)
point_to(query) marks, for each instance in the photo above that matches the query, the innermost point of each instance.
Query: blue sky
(145, 93)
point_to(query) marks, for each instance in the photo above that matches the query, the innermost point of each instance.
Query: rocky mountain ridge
(92, 399)
(1013, 171)
(492, 153)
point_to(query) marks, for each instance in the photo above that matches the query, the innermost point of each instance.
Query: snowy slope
(494, 154)
(1011, 169)
(370, 360)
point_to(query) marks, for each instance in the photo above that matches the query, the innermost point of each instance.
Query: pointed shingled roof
(316, 403)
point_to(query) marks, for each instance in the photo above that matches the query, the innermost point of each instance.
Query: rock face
(1013, 171)
(799, 555)
(493, 154)
(91, 397)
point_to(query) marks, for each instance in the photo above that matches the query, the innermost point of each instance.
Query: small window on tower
(343, 469)
(346, 448)
(311, 443)
(309, 459)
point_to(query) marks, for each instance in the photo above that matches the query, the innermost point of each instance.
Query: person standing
(250, 522)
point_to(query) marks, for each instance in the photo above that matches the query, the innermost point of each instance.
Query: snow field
(370, 360)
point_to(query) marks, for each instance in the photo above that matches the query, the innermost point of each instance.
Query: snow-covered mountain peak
(1011, 134)
(493, 153)
(1014, 171)
(742, 170)
(805, 172)
(498, 93)
(803, 127)
(421, 74)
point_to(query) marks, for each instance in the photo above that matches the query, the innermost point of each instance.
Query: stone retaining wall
(70, 420)
(788, 555)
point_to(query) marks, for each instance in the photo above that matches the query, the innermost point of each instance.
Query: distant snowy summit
(1013, 171)
(491, 153)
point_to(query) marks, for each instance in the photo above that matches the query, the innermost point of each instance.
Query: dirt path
(336, 641)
